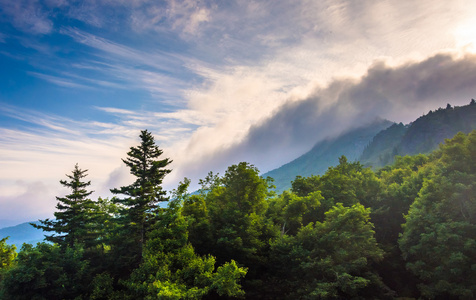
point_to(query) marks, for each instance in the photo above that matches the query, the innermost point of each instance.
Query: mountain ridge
(22, 233)
(420, 136)
(323, 154)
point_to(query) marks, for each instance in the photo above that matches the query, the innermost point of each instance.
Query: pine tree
(139, 206)
(73, 219)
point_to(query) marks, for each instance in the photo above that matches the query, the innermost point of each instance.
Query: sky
(216, 82)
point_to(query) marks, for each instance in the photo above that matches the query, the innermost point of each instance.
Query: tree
(172, 270)
(7, 254)
(237, 216)
(138, 209)
(47, 272)
(442, 222)
(347, 183)
(235, 226)
(291, 212)
(328, 260)
(74, 216)
(401, 183)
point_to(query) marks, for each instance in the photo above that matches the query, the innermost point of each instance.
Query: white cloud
(231, 67)
(126, 67)
(26, 198)
(157, 58)
(187, 14)
(317, 43)
(61, 81)
(401, 94)
(28, 15)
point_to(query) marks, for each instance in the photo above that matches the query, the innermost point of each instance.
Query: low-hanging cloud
(399, 94)
(34, 199)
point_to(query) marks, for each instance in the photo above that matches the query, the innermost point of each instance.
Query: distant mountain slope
(22, 233)
(325, 154)
(421, 136)
(6, 223)
(384, 146)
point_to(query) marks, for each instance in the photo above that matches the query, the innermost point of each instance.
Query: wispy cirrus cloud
(33, 117)
(61, 81)
(157, 72)
(157, 59)
(28, 15)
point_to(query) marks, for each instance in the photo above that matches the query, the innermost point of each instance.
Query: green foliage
(316, 241)
(228, 220)
(74, 215)
(236, 208)
(105, 221)
(401, 183)
(103, 287)
(291, 212)
(347, 183)
(304, 186)
(7, 254)
(137, 210)
(328, 260)
(171, 269)
(47, 272)
(226, 279)
(441, 222)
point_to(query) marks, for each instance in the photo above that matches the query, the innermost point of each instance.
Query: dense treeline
(407, 230)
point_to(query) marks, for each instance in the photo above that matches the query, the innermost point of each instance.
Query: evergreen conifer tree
(138, 209)
(73, 218)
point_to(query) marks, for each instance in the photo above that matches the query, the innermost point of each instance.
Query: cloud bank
(399, 94)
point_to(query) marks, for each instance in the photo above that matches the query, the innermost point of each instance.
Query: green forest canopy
(407, 230)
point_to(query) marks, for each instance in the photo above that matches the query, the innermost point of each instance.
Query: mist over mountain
(326, 153)
(398, 93)
(377, 144)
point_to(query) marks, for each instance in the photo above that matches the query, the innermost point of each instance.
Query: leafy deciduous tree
(329, 260)
(442, 222)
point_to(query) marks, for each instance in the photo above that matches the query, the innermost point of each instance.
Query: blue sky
(216, 82)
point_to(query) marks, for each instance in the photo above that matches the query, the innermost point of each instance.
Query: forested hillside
(407, 230)
(376, 144)
(326, 153)
(421, 136)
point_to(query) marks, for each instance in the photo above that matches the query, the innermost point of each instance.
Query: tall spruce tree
(73, 218)
(138, 209)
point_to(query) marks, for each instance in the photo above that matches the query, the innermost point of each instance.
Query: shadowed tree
(442, 222)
